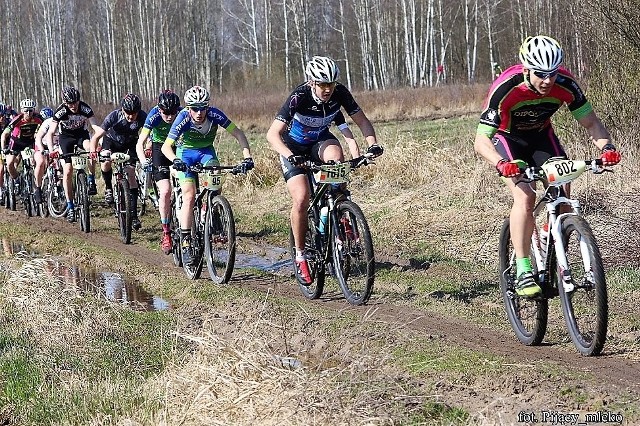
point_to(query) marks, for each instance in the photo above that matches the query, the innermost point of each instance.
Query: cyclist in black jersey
(301, 130)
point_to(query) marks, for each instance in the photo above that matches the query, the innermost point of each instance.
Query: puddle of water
(113, 286)
(271, 259)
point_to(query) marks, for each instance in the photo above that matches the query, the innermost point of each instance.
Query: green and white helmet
(541, 53)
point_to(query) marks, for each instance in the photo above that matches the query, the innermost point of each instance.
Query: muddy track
(610, 369)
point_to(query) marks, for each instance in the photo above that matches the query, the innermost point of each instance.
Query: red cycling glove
(507, 168)
(610, 156)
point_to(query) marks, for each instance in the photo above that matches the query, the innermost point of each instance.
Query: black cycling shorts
(534, 148)
(68, 143)
(312, 151)
(160, 162)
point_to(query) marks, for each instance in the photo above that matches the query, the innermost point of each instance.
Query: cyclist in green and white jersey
(194, 130)
(156, 128)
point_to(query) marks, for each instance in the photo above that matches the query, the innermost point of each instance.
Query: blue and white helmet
(541, 53)
(322, 70)
(46, 112)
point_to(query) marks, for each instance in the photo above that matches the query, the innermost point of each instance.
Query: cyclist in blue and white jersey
(195, 129)
(156, 128)
(301, 129)
(119, 133)
(72, 118)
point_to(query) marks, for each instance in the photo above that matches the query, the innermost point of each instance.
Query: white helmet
(27, 104)
(197, 96)
(541, 53)
(322, 70)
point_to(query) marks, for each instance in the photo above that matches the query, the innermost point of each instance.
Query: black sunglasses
(545, 75)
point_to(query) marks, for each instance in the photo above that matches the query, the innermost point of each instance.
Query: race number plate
(334, 173)
(563, 171)
(213, 181)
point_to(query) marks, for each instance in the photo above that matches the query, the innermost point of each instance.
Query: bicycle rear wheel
(123, 210)
(585, 307)
(220, 239)
(353, 255)
(314, 251)
(528, 317)
(82, 200)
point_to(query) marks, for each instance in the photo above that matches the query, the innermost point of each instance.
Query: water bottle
(543, 237)
(324, 213)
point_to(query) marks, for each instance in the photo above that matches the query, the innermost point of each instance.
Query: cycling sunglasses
(198, 108)
(545, 75)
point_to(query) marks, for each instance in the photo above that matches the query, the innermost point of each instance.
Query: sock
(165, 227)
(299, 254)
(107, 179)
(70, 204)
(134, 201)
(523, 265)
(91, 179)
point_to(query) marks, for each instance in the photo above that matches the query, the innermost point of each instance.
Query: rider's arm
(49, 136)
(242, 141)
(274, 137)
(42, 131)
(596, 129)
(5, 136)
(140, 145)
(365, 127)
(98, 133)
(484, 147)
(167, 149)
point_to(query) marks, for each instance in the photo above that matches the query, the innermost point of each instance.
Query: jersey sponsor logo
(526, 113)
(316, 122)
(492, 114)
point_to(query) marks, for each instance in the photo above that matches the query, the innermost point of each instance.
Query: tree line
(110, 47)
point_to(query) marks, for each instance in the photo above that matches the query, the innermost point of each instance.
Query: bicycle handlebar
(536, 173)
(363, 160)
(200, 168)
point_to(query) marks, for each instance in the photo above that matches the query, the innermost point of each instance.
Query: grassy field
(236, 356)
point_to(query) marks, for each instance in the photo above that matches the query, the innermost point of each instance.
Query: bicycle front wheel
(583, 290)
(82, 201)
(176, 251)
(123, 210)
(353, 257)
(56, 200)
(220, 240)
(194, 270)
(314, 251)
(528, 317)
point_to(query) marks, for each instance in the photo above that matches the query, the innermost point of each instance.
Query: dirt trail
(610, 369)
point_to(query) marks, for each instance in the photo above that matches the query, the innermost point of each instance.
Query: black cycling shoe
(92, 189)
(71, 215)
(136, 224)
(37, 195)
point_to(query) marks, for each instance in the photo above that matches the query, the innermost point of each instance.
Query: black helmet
(168, 102)
(70, 95)
(131, 103)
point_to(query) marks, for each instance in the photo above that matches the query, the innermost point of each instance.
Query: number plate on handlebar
(213, 180)
(333, 173)
(120, 157)
(563, 171)
(79, 162)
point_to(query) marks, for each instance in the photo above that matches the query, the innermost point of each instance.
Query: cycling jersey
(513, 107)
(194, 135)
(70, 123)
(23, 128)
(307, 119)
(156, 126)
(121, 131)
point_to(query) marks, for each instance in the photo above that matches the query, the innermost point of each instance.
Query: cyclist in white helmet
(196, 127)
(515, 127)
(300, 131)
(18, 135)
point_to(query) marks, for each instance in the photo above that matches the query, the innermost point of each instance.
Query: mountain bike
(122, 198)
(568, 264)
(6, 180)
(27, 183)
(148, 191)
(81, 198)
(342, 246)
(174, 223)
(53, 189)
(213, 234)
